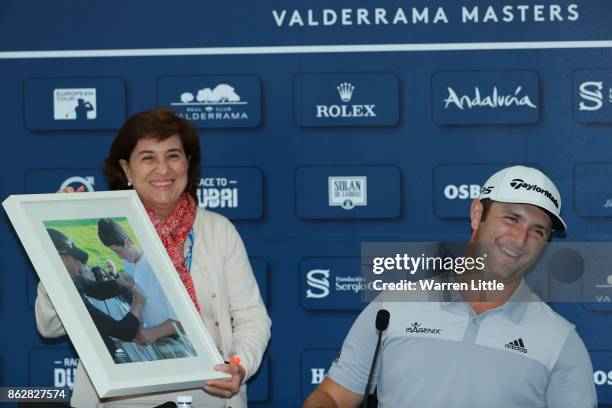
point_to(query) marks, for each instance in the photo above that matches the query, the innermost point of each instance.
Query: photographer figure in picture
(75, 261)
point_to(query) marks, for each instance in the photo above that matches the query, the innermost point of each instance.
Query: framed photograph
(116, 291)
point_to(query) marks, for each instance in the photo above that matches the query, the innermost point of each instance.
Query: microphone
(382, 322)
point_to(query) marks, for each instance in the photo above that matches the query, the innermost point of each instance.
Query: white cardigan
(230, 305)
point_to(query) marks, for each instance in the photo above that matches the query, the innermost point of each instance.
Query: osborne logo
(462, 191)
(601, 377)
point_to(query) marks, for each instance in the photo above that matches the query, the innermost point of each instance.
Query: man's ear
(476, 214)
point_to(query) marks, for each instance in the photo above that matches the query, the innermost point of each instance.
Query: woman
(157, 153)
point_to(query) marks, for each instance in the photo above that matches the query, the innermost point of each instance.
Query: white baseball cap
(525, 185)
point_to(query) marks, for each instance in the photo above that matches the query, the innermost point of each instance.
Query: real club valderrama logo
(219, 103)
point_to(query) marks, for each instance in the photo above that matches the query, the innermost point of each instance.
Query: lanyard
(189, 249)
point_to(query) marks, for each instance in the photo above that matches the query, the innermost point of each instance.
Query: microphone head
(382, 319)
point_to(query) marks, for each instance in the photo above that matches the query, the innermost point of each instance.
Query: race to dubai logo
(219, 103)
(217, 192)
(87, 182)
(347, 192)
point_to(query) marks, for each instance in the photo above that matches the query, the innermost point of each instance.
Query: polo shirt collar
(514, 307)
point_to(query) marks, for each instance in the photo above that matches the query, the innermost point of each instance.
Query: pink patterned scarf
(173, 231)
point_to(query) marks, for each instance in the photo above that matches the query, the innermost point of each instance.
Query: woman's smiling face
(158, 171)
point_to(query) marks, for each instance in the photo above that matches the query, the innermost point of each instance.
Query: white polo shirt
(441, 354)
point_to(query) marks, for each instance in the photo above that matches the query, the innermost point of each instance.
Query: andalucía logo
(486, 97)
(416, 328)
(346, 99)
(213, 101)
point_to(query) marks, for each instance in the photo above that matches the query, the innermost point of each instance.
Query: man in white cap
(475, 349)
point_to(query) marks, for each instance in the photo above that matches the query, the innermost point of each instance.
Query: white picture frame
(30, 215)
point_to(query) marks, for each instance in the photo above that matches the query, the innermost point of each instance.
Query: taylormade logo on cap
(518, 183)
(525, 185)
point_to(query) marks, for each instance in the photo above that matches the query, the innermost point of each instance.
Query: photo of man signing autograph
(504, 348)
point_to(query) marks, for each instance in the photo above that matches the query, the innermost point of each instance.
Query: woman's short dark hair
(159, 124)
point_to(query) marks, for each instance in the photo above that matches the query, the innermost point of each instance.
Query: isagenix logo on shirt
(416, 328)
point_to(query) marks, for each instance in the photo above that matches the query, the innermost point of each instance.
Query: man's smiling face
(511, 235)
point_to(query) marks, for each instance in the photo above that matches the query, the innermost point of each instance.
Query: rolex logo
(345, 90)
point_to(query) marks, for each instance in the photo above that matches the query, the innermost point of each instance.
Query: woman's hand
(226, 387)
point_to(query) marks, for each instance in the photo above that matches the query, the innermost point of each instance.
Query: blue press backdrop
(321, 149)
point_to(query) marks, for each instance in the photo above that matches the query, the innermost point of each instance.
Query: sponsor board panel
(260, 270)
(52, 367)
(213, 101)
(52, 180)
(597, 284)
(346, 99)
(593, 189)
(74, 103)
(485, 97)
(592, 95)
(602, 375)
(235, 192)
(331, 283)
(456, 185)
(258, 385)
(315, 363)
(341, 192)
